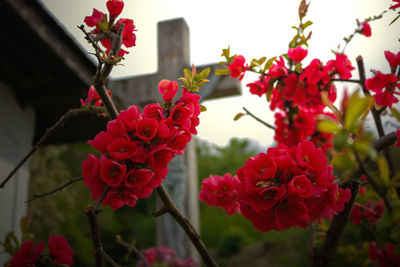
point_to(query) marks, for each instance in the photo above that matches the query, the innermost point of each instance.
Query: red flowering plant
(138, 145)
(322, 151)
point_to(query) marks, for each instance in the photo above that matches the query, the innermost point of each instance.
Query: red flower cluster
(102, 27)
(370, 212)
(59, 249)
(220, 191)
(287, 187)
(137, 147)
(93, 98)
(366, 29)
(384, 257)
(164, 256)
(386, 86)
(238, 67)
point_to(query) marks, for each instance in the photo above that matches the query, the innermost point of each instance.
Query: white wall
(16, 135)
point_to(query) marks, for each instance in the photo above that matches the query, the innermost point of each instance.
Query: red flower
(341, 65)
(91, 167)
(119, 196)
(115, 7)
(60, 250)
(130, 117)
(220, 191)
(383, 81)
(101, 141)
(237, 67)
(27, 254)
(111, 172)
(91, 21)
(291, 212)
(355, 215)
(279, 69)
(121, 149)
(180, 114)
(297, 54)
(146, 129)
(128, 37)
(396, 5)
(384, 256)
(138, 177)
(168, 89)
(257, 88)
(366, 29)
(393, 59)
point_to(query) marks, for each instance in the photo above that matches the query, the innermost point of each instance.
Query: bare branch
(258, 119)
(71, 181)
(60, 123)
(133, 247)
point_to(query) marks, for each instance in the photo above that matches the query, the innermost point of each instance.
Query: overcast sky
(253, 28)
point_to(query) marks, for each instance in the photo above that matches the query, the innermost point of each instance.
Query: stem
(324, 255)
(346, 80)
(170, 207)
(134, 248)
(71, 181)
(258, 119)
(375, 113)
(60, 123)
(90, 212)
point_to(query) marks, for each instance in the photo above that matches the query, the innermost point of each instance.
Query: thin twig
(90, 213)
(346, 80)
(71, 181)
(381, 192)
(258, 119)
(186, 226)
(133, 247)
(375, 113)
(60, 123)
(108, 258)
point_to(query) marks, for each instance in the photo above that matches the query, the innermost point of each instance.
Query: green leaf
(383, 171)
(328, 126)
(11, 243)
(204, 73)
(395, 113)
(202, 108)
(340, 140)
(222, 71)
(344, 161)
(188, 74)
(357, 106)
(306, 24)
(269, 63)
(262, 60)
(364, 146)
(238, 116)
(187, 85)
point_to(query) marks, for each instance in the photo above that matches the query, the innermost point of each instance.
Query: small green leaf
(204, 73)
(383, 171)
(306, 24)
(222, 71)
(328, 126)
(202, 108)
(188, 74)
(262, 60)
(364, 146)
(340, 140)
(11, 243)
(394, 20)
(344, 161)
(269, 63)
(395, 113)
(238, 116)
(357, 107)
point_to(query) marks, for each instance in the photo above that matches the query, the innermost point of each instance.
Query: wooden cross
(181, 182)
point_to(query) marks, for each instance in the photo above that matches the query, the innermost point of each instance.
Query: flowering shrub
(286, 187)
(28, 255)
(137, 147)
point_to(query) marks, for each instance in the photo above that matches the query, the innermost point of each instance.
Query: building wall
(16, 135)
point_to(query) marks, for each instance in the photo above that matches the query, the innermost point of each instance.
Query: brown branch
(376, 114)
(186, 226)
(60, 123)
(323, 256)
(133, 247)
(71, 181)
(346, 80)
(258, 119)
